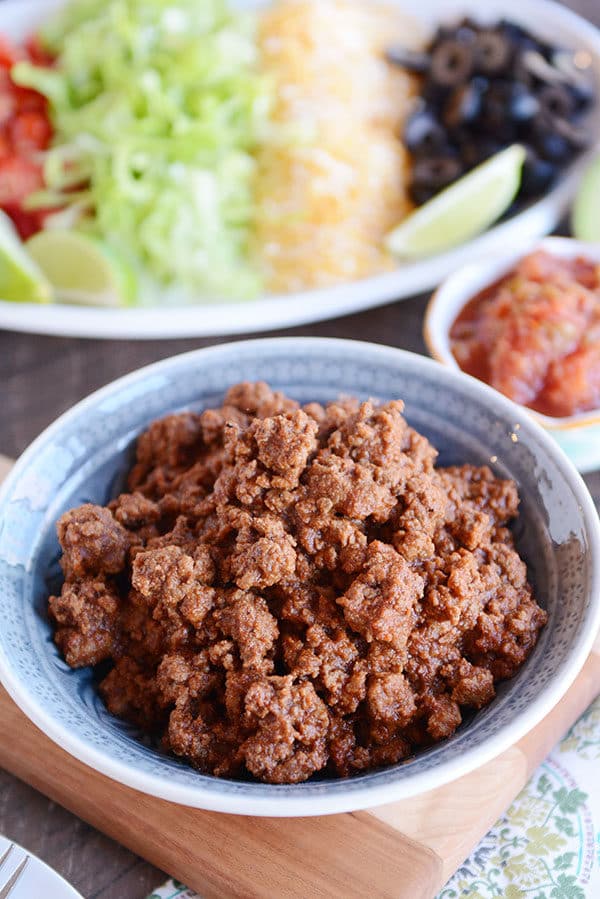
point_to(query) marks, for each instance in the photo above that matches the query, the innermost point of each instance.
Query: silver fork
(9, 885)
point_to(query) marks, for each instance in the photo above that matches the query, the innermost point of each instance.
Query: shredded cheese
(327, 198)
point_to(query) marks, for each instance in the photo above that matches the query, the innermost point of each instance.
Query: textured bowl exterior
(84, 455)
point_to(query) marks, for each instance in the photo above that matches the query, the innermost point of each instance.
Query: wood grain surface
(40, 377)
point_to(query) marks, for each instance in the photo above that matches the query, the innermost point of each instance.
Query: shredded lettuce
(158, 106)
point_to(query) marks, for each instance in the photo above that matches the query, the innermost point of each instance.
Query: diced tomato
(19, 177)
(7, 85)
(37, 53)
(26, 223)
(30, 131)
(5, 145)
(30, 101)
(25, 130)
(9, 53)
(8, 106)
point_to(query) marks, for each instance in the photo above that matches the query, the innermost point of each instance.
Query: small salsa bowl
(578, 435)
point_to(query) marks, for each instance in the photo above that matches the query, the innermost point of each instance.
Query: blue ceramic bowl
(84, 455)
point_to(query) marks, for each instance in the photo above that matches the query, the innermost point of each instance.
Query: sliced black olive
(436, 172)
(538, 174)
(553, 146)
(513, 30)
(577, 136)
(518, 36)
(493, 52)
(495, 118)
(522, 105)
(421, 193)
(468, 23)
(411, 60)
(556, 101)
(442, 33)
(486, 87)
(464, 103)
(423, 134)
(466, 32)
(535, 63)
(583, 94)
(451, 63)
(478, 148)
(435, 96)
(522, 74)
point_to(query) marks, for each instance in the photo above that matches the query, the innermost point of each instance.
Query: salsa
(534, 335)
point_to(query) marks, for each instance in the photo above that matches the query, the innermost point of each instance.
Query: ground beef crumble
(290, 590)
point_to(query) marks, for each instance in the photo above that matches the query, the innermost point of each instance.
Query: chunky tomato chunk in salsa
(25, 132)
(535, 335)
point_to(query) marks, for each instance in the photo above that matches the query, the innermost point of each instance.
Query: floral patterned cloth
(546, 846)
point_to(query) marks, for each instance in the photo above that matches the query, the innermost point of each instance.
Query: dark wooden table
(40, 377)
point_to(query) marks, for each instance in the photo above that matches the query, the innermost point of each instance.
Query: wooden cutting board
(406, 850)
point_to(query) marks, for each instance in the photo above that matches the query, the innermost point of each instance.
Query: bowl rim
(436, 336)
(278, 804)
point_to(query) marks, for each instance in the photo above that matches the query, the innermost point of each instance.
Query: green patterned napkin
(546, 846)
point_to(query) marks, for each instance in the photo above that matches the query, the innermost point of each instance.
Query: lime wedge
(82, 269)
(585, 216)
(461, 211)
(21, 281)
